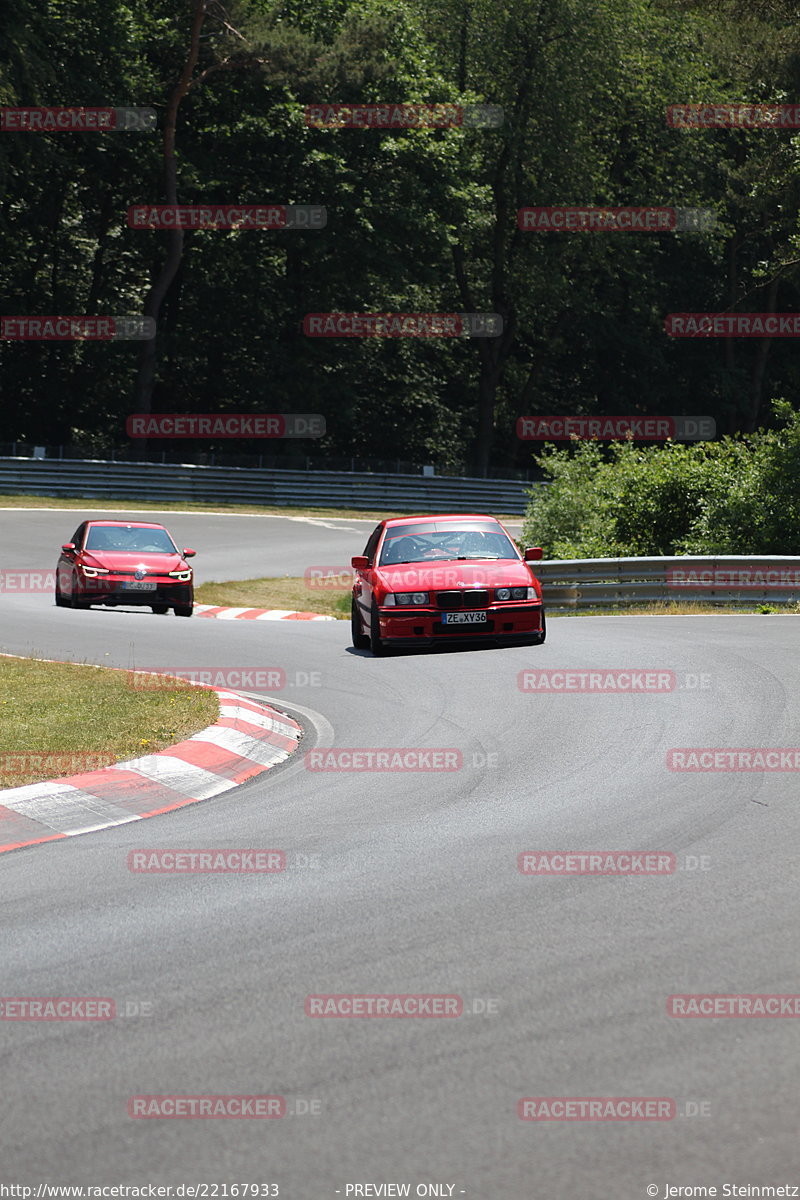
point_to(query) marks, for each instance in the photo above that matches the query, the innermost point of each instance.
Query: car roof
(440, 517)
(128, 524)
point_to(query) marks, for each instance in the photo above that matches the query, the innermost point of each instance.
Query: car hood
(117, 560)
(473, 573)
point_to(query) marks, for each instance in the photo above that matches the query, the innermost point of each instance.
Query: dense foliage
(735, 496)
(418, 219)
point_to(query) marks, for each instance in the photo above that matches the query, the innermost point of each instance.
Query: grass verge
(64, 719)
(677, 608)
(101, 503)
(288, 592)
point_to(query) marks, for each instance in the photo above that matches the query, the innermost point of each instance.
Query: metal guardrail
(727, 580)
(90, 479)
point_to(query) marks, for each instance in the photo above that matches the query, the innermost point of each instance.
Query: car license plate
(464, 618)
(140, 585)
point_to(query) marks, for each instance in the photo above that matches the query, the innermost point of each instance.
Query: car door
(66, 560)
(362, 588)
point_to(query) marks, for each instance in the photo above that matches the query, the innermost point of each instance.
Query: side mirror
(533, 554)
(68, 547)
(359, 562)
(189, 553)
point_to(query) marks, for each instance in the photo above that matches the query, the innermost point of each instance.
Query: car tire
(538, 638)
(359, 639)
(73, 601)
(61, 602)
(160, 609)
(376, 642)
(184, 610)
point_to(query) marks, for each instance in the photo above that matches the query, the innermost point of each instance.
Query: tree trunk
(760, 364)
(488, 382)
(145, 378)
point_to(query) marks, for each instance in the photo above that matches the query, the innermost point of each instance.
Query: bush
(736, 496)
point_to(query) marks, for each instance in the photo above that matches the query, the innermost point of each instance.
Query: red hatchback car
(112, 562)
(433, 579)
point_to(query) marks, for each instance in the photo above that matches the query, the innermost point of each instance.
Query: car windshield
(426, 543)
(130, 539)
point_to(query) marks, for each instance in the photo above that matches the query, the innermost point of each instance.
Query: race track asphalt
(407, 883)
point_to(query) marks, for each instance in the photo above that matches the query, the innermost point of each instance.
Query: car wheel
(184, 610)
(61, 602)
(376, 642)
(74, 602)
(538, 638)
(360, 640)
(160, 609)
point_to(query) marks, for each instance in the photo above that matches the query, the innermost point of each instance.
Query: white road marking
(183, 777)
(64, 808)
(239, 713)
(243, 745)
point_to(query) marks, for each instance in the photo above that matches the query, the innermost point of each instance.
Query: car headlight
(515, 593)
(181, 576)
(93, 572)
(407, 599)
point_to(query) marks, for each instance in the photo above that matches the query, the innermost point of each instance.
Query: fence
(730, 580)
(92, 479)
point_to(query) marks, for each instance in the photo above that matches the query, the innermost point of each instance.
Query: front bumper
(426, 625)
(113, 592)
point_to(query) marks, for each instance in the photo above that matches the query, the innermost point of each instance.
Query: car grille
(470, 598)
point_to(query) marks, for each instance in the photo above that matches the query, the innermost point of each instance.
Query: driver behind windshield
(446, 546)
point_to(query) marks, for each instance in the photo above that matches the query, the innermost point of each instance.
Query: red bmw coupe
(432, 579)
(112, 562)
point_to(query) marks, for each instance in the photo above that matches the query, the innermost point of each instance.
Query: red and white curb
(256, 614)
(248, 739)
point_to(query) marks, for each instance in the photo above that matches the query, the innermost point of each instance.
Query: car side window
(372, 544)
(77, 536)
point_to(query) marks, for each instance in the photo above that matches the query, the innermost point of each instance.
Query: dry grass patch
(288, 592)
